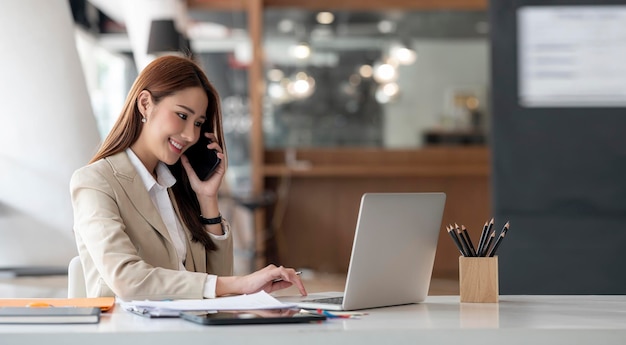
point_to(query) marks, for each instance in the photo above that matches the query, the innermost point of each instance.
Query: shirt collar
(164, 175)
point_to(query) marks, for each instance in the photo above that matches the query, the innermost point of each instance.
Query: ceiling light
(277, 92)
(391, 89)
(385, 73)
(354, 79)
(286, 25)
(386, 26)
(301, 86)
(387, 92)
(243, 53)
(301, 76)
(402, 54)
(366, 71)
(325, 17)
(381, 97)
(275, 75)
(301, 50)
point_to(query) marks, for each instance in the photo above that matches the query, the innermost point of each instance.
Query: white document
(572, 56)
(259, 300)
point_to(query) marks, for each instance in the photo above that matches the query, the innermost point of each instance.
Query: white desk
(441, 319)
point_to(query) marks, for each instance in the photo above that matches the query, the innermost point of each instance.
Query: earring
(143, 119)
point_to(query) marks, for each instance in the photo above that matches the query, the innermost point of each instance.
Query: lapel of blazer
(195, 260)
(135, 190)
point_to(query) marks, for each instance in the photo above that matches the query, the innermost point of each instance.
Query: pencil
(489, 241)
(492, 252)
(468, 240)
(455, 240)
(483, 238)
(462, 239)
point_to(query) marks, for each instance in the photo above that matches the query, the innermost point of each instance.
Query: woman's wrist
(209, 207)
(227, 286)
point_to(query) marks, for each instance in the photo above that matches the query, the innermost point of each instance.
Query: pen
(281, 279)
(339, 315)
(334, 314)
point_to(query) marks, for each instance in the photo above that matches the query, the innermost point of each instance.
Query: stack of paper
(259, 300)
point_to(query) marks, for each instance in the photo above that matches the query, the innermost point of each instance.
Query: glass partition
(375, 79)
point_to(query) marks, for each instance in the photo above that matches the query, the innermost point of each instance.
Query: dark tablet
(248, 317)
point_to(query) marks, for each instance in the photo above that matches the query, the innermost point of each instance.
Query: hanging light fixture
(402, 53)
(325, 17)
(301, 51)
(301, 86)
(387, 93)
(385, 72)
(165, 38)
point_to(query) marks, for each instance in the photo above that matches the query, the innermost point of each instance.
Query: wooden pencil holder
(478, 279)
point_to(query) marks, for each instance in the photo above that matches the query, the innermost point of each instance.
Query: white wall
(47, 130)
(441, 65)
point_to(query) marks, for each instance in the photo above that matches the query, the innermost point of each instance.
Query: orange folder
(104, 303)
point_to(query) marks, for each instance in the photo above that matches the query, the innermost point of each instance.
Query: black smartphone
(249, 317)
(202, 160)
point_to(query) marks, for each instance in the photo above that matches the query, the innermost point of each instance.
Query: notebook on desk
(392, 254)
(104, 303)
(51, 315)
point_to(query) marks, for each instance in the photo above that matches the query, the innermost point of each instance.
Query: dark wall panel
(559, 176)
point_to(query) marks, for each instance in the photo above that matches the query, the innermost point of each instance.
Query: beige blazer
(124, 246)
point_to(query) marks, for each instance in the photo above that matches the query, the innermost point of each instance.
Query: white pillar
(47, 130)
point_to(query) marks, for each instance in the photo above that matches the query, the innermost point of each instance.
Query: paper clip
(137, 310)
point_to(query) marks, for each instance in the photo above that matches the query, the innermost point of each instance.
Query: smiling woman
(146, 226)
(169, 126)
(165, 92)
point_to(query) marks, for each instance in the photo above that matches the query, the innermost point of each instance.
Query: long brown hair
(163, 77)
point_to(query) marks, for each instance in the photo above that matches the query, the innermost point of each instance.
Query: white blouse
(157, 189)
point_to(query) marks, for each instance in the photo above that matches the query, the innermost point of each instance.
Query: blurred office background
(322, 102)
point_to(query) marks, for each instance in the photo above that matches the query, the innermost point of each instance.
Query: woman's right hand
(264, 279)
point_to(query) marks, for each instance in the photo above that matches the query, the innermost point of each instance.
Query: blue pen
(332, 315)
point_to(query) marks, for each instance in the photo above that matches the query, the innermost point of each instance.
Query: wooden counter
(320, 190)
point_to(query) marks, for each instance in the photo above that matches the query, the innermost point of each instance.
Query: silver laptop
(392, 254)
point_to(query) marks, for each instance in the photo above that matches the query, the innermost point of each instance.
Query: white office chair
(76, 287)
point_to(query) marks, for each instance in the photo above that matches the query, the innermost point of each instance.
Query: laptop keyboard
(330, 300)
